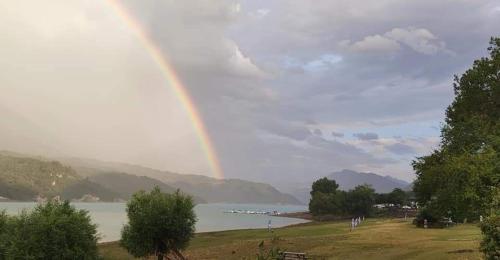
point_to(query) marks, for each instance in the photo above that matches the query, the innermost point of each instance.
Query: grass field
(374, 239)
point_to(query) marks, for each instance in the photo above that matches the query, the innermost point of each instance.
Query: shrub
(491, 237)
(434, 219)
(51, 231)
(274, 252)
(3, 235)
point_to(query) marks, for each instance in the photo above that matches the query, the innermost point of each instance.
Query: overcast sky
(289, 90)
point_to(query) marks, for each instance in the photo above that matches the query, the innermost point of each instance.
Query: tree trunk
(178, 254)
(160, 256)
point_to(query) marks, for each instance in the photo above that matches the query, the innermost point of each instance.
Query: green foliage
(327, 200)
(51, 231)
(324, 185)
(491, 237)
(327, 203)
(462, 177)
(3, 234)
(360, 200)
(159, 223)
(396, 197)
(434, 216)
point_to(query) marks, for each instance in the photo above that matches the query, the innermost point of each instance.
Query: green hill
(24, 178)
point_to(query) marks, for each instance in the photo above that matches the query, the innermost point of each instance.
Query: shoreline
(298, 215)
(304, 215)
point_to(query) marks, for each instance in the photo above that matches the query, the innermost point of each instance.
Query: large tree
(325, 198)
(398, 197)
(462, 177)
(324, 185)
(159, 224)
(360, 200)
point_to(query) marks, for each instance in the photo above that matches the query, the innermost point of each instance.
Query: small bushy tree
(159, 224)
(491, 237)
(51, 231)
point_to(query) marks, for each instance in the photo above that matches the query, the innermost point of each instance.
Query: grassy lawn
(374, 239)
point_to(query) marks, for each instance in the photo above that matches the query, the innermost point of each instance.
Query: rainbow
(177, 86)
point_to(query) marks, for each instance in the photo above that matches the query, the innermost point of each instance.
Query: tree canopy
(461, 179)
(324, 185)
(159, 223)
(51, 231)
(326, 199)
(360, 200)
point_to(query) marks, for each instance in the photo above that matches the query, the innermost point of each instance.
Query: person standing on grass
(269, 225)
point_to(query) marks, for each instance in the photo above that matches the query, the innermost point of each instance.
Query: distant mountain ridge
(348, 179)
(23, 177)
(210, 189)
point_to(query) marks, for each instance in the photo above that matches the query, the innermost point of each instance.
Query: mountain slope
(210, 189)
(33, 176)
(237, 191)
(23, 178)
(126, 184)
(348, 179)
(86, 187)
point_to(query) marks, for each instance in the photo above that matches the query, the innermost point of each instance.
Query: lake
(110, 217)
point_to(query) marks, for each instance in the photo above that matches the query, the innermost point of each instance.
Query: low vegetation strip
(373, 239)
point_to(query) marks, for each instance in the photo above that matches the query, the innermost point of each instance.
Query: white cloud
(374, 43)
(323, 63)
(420, 40)
(240, 64)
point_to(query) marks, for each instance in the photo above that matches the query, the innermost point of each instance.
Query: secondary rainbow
(179, 90)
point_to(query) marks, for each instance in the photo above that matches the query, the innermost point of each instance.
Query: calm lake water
(110, 217)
